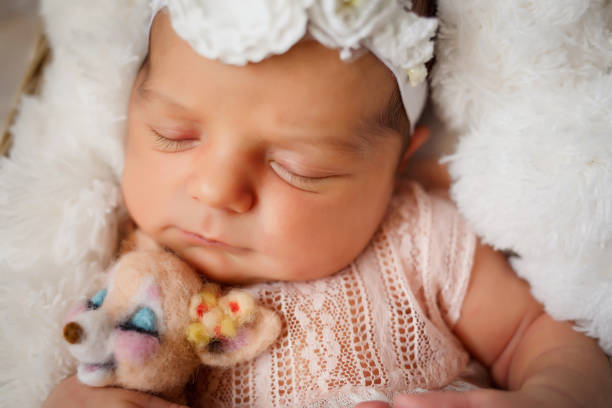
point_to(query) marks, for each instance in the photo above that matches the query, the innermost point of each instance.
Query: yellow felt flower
(196, 334)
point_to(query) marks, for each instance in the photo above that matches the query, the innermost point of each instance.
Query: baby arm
(541, 362)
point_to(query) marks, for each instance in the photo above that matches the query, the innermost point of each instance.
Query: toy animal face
(132, 333)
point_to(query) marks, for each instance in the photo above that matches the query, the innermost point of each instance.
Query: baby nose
(73, 333)
(218, 196)
(224, 187)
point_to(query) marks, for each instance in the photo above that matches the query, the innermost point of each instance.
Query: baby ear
(138, 240)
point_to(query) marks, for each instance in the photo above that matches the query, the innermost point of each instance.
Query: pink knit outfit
(381, 325)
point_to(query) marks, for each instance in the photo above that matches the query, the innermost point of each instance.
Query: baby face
(279, 170)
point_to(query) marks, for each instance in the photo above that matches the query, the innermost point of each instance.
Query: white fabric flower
(346, 23)
(405, 44)
(236, 32)
(406, 40)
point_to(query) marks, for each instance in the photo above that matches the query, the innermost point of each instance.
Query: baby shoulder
(430, 220)
(435, 244)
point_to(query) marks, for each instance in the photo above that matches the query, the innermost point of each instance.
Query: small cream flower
(417, 74)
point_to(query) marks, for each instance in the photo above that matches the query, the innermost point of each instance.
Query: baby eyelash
(170, 145)
(302, 182)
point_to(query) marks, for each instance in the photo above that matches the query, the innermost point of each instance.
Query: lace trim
(464, 247)
(369, 359)
(408, 331)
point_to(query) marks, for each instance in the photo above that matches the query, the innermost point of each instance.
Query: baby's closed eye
(303, 182)
(173, 141)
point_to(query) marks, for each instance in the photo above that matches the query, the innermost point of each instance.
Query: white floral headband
(237, 32)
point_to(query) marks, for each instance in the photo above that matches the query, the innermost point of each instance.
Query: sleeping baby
(265, 145)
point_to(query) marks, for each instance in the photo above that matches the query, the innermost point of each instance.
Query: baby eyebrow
(179, 111)
(358, 143)
(359, 140)
(363, 137)
(390, 121)
(150, 95)
(353, 141)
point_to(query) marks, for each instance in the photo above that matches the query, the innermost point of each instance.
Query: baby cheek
(134, 348)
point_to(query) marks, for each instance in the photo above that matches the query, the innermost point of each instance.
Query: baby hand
(535, 398)
(72, 393)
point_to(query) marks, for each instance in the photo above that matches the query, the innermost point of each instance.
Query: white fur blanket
(527, 85)
(60, 199)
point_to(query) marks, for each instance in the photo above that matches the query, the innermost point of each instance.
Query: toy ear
(252, 342)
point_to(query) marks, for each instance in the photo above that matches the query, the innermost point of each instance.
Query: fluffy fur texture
(530, 93)
(59, 190)
(526, 84)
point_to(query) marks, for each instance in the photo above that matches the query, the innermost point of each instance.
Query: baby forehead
(307, 69)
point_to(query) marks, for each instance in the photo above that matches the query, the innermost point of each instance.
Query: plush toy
(156, 321)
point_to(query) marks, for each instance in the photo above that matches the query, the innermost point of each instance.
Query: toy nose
(73, 333)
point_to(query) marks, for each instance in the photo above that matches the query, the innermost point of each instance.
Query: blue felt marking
(144, 319)
(97, 299)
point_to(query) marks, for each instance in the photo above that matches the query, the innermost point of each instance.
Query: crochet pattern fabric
(380, 325)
